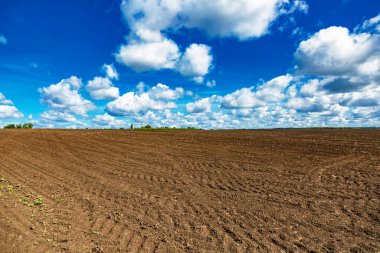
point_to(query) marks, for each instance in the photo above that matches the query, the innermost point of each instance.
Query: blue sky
(221, 64)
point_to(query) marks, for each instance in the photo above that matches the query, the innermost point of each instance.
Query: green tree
(19, 126)
(27, 125)
(10, 126)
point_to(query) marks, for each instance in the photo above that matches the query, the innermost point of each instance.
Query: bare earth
(190, 191)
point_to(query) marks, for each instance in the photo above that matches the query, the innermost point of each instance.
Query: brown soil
(190, 191)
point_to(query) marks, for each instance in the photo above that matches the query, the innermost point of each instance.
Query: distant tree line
(150, 128)
(19, 126)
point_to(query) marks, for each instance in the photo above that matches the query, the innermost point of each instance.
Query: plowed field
(189, 191)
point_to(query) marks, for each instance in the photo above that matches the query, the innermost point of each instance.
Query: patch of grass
(9, 188)
(28, 200)
(24, 201)
(95, 232)
(39, 201)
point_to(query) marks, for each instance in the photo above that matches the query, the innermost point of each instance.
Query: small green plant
(2, 179)
(39, 201)
(9, 188)
(25, 201)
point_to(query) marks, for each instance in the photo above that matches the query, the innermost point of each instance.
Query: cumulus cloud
(252, 97)
(243, 19)
(148, 49)
(336, 84)
(372, 24)
(160, 97)
(273, 90)
(242, 98)
(302, 102)
(4, 100)
(64, 96)
(9, 111)
(211, 83)
(141, 55)
(102, 88)
(308, 104)
(111, 71)
(163, 92)
(149, 55)
(335, 51)
(107, 121)
(196, 61)
(3, 40)
(200, 106)
(57, 116)
(131, 103)
(366, 98)
(346, 66)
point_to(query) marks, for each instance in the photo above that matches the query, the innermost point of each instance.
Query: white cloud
(56, 116)
(150, 118)
(243, 19)
(336, 51)
(105, 94)
(3, 40)
(200, 106)
(131, 103)
(310, 88)
(211, 83)
(302, 102)
(73, 81)
(196, 61)
(366, 112)
(159, 97)
(347, 66)
(243, 98)
(163, 92)
(148, 49)
(107, 121)
(9, 111)
(308, 104)
(64, 96)
(366, 98)
(371, 24)
(110, 71)
(141, 87)
(149, 55)
(4, 100)
(271, 91)
(102, 88)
